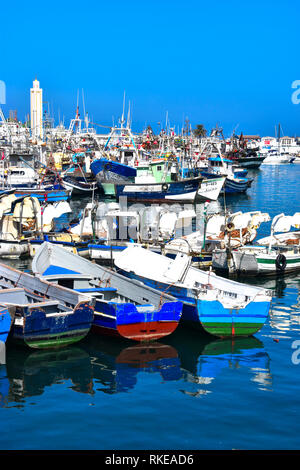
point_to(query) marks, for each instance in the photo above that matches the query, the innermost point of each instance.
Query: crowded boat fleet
(148, 249)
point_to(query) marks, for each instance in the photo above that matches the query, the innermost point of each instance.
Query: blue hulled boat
(110, 171)
(159, 181)
(44, 315)
(236, 181)
(222, 307)
(178, 191)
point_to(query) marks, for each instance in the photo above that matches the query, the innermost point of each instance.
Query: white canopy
(282, 223)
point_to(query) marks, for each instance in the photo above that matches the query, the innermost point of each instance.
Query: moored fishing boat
(123, 307)
(109, 172)
(22, 219)
(250, 159)
(79, 187)
(159, 181)
(219, 230)
(68, 241)
(221, 306)
(234, 182)
(179, 191)
(44, 315)
(255, 260)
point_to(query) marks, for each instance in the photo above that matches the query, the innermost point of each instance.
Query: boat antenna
(122, 120)
(128, 117)
(83, 102)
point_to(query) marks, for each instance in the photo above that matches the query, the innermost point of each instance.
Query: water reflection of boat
(277, 284)
(4, 385)
(29, 373)
(116, 366)
(203, 361)
(284, 314)
(110, 366)
(220, 355)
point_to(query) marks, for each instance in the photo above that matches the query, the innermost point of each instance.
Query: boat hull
(236, 185)
(253, 162)
(210, 189)
(108, 171)
(212, 316)
(265, 264)
(38, 330)
(78, 248)
(104, 252)
(13, 249)
(222, 322)
(177, 191)
(138, 323)
(44, 195)
(80, 188)
(255, 263)
(231, 185)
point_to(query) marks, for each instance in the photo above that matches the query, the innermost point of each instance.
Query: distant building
(36, 111)
(251, 137)
(287, 141)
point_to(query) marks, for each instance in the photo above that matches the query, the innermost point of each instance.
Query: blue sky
(225, 62)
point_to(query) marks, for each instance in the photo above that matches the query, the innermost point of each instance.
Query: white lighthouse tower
(36, 111)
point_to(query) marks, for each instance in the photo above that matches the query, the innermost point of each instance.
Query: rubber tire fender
(280, 262)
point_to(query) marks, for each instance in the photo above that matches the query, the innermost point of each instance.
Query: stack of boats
(157, 180)
(26, 181)
(143, 298)
(221, 307)
(219, 231)
(164, 229)
(24, 218)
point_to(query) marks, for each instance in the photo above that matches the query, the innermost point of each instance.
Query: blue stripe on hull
(178, 189)
(102, 167)
(107, 247)
(49, 196)
(5, 324)
(255, 312)
(235, 186)
(39, 325)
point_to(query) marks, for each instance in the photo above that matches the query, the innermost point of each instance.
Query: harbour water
(188, 391)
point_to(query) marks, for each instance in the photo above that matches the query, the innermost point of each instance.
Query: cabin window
(16, 172)
(128, 154)
(158, 167)
(69, 283)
